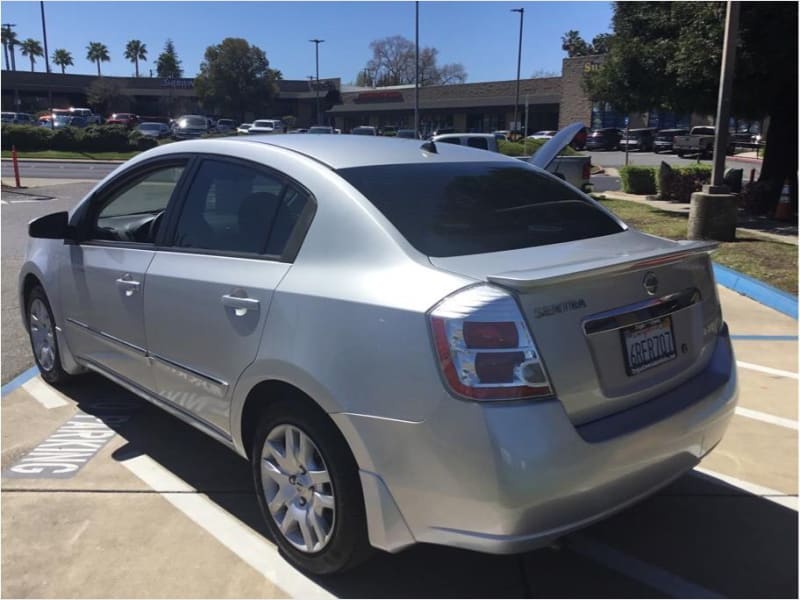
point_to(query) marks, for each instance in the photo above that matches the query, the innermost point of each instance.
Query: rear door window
(455, 209)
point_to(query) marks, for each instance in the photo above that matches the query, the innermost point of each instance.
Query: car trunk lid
(618, 319)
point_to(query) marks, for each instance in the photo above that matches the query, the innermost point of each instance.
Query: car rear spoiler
(531, 278)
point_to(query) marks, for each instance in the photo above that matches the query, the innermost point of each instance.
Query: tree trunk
(63, 69)
(32, 63)
(8, 64)
(98, 68)
(13, 58)
(136, 62)
(780, 153)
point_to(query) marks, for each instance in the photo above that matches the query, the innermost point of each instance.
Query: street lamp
(521, 12)
(316, 43)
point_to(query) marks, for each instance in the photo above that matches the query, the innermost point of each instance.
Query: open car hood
(545, 155)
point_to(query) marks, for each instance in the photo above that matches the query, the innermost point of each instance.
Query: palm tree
(97, 53)
(62, 58)
(9, 41)
(31, 48)
(134, 52)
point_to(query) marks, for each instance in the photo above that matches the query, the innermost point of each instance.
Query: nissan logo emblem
(650, 283)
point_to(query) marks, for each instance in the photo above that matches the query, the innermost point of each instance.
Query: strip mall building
(549, 103)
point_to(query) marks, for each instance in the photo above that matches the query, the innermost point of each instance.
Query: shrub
(638, 180)
(25, 137)
(144, 143)
(105, 138)
(678, 184)
(529, 148)
(66, 138)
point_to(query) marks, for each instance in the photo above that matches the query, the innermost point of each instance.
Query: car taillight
(484, 348)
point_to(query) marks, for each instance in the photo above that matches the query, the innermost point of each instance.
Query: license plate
(647, 345)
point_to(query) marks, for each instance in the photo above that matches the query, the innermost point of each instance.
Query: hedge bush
(638, 180)
(678, 184)
(25, 138)
(529, 148)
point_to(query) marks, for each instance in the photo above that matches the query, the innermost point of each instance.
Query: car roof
(347, 151)
(447, 136)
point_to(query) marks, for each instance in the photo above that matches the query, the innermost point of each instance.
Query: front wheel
(309, 490)
(43, 336)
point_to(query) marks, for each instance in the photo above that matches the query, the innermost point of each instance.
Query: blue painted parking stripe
(19, 380)
(757, 290)
(765, 338)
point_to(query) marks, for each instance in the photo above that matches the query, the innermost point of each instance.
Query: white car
(262, 126)
(542, 135)
(244, 128)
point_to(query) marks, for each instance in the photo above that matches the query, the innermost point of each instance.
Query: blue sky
(483, 36)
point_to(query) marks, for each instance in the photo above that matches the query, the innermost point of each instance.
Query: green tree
(106, 95)
(235, 78)
(668, 55)
(9, 41)
(135, 51)
(31, 48)
(62, 58)
(573, 44)
(167, 65)
(97, 53)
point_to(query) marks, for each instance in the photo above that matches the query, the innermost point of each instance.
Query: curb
(757, 290)
(19, 380)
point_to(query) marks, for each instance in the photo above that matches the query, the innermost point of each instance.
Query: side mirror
(54, 226)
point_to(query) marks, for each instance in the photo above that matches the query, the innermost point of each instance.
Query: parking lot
(139, 504)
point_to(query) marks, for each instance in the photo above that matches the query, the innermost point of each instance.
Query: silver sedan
(410, 341)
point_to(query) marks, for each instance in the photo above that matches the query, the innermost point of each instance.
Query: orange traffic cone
(783, 212)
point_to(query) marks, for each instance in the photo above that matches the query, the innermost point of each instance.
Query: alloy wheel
(42, 335)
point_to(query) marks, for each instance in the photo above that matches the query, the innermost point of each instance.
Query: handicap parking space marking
(44, 394)
(766, 418)
(768, 370)
(778, 497)
(249, 545)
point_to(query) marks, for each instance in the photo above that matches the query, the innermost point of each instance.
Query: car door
(103, 279)
(208, 293)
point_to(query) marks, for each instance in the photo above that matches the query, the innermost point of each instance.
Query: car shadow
(698, 529)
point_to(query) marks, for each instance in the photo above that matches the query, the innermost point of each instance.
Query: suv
(262, 126)
(484, 141)
(604, 139)
(638, 139)
(18, 118)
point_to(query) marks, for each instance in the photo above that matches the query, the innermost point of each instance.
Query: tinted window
(450, 140)
(240, 209)
(476, 142)
(455, 209)
(132, 213)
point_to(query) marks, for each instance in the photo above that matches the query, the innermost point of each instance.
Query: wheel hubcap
(42, 336)
(297, 488)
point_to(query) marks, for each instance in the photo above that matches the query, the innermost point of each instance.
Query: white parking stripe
(247, 544)
(768, 370)
(43, 393)
(638, 570)
(787, 500)
(766, 417)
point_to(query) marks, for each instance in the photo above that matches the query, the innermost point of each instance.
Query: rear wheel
(43, 336)
(308, 489)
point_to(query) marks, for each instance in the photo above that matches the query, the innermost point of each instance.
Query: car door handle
(239, 304)
(129, 286)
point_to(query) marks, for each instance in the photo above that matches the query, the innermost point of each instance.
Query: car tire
(320, 485)
(44, 337)
(680, 154)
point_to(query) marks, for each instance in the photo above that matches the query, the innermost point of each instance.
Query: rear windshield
(454, 209)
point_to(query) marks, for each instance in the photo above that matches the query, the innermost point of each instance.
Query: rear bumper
(504, 478)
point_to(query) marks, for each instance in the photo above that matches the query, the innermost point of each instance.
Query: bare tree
(392, 63)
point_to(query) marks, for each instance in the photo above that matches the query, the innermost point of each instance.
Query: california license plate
(647, 345)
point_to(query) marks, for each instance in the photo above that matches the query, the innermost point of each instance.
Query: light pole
(521, 12)
(44, 35)
(316, 43)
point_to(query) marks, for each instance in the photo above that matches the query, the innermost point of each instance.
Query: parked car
(154, 130)
(463, 350)
(300, 130)
(189, 127)
(60, 121)
(409, 134)
(262, 126)
(321, 129)
(18, 118)
(244, 128)
(542, 135)
(226, 125)
(604, 139)
(88, 114)
(364, 130)
(388, 130)
(80, 122)
(129, 120)
(484, 141)
(664, 138)
(638, 139)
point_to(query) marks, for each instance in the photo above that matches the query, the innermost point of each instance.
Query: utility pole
(316, 43)
(724, 100)
(521, 12)
(44, 35)
(416, 73)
